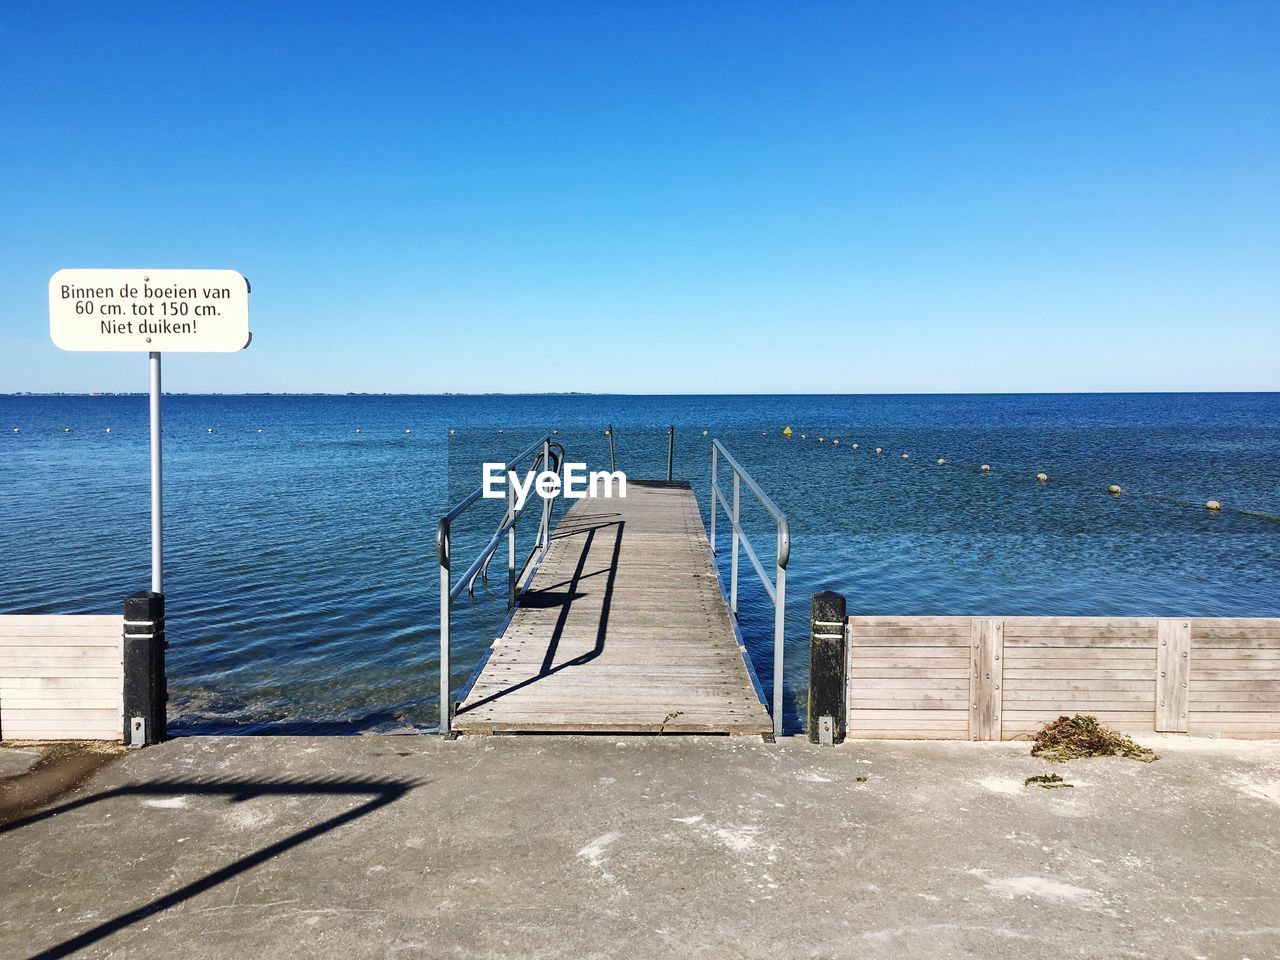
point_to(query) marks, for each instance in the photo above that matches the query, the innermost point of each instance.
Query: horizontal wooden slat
(1245, 675)
(959, 724)
(1262, 656)
(10, 642)
(910, 656)
(1014, 674)
(1099, 636)
(908, 640)
(66, 698)
(930, 716)
(915, 702)
(1237, 702)
(17, 715)
(59, 733)
(1074, 682)
(1031, 664)
(1083, 643)
(869, 734)
(62, 667)
(1078, 654)
(959, 624)
(1017, 713)
(861, 673)
(1055, 708)
(10, 685)
(1243, 642)
(12, 621)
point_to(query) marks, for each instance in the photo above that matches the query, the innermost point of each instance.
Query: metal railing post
(779, 633)
(544, 534)
(733, 563)
(715, 489)
(511, 547)
(671, 451)
(611, 463)
(446, 706)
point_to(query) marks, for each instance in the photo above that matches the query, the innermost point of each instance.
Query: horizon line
(587, 393)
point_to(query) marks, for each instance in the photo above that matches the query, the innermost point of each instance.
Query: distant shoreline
(583, 393)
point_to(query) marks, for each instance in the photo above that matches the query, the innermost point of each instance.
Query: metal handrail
(776, 588)
(547, 452)
(671, 450)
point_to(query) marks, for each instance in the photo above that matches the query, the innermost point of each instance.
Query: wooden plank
(10, 685)
(1248, 673)
(1259, 718)
(914, 717)
(1249, 642)
(14, 708)
(1238, 702)
(908, 734)
(45, 713)
(949, 673)
(1172, 675)
(1084, 643)
(61, 667)
(1144, 672)
(918, 624)
(910, 683)
(1017, 654)
(911, 657)
(986, 678)
(1230, 628)
(58, 624)
(1038, 682)
(1028, 666)
(14, 642)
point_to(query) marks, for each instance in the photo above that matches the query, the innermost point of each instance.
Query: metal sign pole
(157, 482)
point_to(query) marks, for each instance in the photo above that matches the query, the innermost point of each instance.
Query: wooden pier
(623, 629)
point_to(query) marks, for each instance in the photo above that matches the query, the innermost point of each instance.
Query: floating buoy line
(1212, 506)
(1115, 490)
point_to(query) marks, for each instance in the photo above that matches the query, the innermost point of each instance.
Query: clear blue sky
(659, 197)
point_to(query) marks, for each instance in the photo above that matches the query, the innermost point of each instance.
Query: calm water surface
(301, 576)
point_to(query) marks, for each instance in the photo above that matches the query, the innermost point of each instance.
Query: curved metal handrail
(555, 459)
(547, 452)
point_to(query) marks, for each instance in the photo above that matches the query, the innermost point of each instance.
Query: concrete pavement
(580, 847)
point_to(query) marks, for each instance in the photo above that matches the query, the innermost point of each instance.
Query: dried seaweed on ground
(1069, 738)
(1049, 781)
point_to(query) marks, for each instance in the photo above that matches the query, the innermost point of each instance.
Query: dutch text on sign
(149, 310)
(578, 483)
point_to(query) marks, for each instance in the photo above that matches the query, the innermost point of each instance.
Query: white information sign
(169, 311)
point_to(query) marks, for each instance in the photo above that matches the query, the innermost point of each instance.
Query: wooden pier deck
(623, 629)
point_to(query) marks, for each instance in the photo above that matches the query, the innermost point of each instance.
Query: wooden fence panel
(1233, 687)
(1105, 666)
(61, 677)
(909, 678)
(993, 678)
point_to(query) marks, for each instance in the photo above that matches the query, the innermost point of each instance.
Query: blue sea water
(302, 584)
